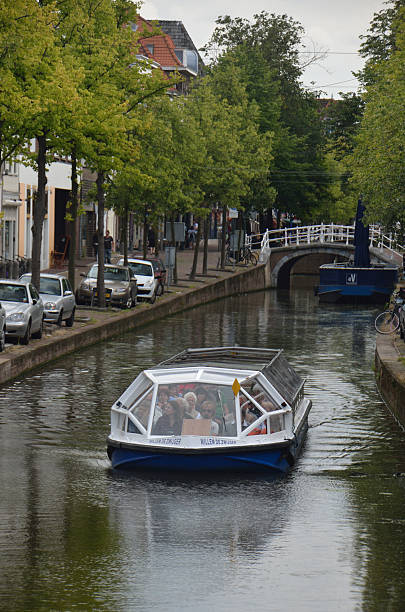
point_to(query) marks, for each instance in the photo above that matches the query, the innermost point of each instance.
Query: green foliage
(378, 159)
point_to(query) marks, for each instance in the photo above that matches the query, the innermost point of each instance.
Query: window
(140, 409)
(255, 401)
(194, 409)
(151, 48)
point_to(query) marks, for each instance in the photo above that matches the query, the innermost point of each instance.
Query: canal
(328, 536)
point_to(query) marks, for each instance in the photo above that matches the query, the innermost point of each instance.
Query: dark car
(160, 273)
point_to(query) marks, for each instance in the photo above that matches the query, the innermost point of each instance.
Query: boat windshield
(194, 409)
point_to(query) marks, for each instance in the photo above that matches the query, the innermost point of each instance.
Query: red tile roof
(163, 46)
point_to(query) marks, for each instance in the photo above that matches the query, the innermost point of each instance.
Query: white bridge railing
(309, 234)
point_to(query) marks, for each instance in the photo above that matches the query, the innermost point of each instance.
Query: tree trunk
(73, 210)
(173, 243)
(205, 255)
(156, 232)
(100, 275)
(196, 249)
(124, 234)
(145, 234)
(40, 206)
(223, 243)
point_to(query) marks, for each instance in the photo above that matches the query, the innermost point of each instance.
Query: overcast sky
(329, 26)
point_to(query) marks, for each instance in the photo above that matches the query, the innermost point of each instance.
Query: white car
(57, 297)
(147, 283)
(24, 310)
(2, 328)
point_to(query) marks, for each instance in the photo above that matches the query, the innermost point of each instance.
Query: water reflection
(329, 536)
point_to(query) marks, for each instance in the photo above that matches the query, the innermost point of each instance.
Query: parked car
(57, 297)
(147, 283)
(24, 310)
(2, 328)
(119, 282)
(160, 273)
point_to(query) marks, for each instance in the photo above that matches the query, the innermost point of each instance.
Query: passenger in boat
(163, 397)
(250, 418)
(207, 411)
(183, 408)
(203, 395)
(191, 400)
(169, 424)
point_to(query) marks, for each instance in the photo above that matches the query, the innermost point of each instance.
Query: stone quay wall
(390, 374)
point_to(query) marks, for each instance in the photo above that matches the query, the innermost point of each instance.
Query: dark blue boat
(223, 409)
(359, 281)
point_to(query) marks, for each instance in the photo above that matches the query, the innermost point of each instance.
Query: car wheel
(160, 290)
(69, 322)
(26, 337)
(152, 299)
(127, 303)
(59, 321)
(38, 334)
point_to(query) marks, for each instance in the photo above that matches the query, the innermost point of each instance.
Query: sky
(332, 27)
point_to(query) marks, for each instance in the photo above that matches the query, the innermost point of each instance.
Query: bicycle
(244, 256)
(387, 322)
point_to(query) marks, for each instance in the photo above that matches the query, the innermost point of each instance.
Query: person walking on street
(108, 241)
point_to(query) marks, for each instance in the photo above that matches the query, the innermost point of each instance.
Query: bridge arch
(282, 260)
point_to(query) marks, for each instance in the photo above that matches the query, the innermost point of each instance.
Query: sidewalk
(184, 265)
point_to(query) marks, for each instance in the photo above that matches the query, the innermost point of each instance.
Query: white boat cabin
(211, 397)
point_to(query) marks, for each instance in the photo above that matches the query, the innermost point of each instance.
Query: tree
(381, 41)
(379, 158)
(271, 42)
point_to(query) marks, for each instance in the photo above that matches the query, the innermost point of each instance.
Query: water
(329, 536)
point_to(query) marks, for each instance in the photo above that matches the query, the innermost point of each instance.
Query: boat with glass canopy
(223, 408)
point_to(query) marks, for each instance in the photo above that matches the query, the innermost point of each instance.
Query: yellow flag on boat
(235, 387)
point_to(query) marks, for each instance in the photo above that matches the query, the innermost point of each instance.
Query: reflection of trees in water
(380, 540)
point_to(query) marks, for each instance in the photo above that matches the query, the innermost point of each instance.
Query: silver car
(2, 328)
(57, 297)
(24, 310)
(120, 286)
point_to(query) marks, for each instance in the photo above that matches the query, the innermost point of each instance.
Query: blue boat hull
(355, 284)
(257, 459)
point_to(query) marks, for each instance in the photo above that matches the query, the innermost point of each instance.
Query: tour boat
(229, 409)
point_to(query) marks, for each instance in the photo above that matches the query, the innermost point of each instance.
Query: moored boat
(216, 409)
(360, 280)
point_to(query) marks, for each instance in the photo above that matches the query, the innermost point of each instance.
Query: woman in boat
(191, 400)
(169, 424)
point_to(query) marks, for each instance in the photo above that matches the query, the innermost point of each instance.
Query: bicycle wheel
(387, 322)
(252, 258)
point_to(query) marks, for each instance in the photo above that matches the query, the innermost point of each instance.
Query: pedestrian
(108, 242)
(95, 244)
(151, 241)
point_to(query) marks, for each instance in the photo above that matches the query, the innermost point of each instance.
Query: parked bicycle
(245, 256)
(387, 322)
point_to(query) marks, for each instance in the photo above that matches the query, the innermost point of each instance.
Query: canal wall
(19, 359)
(390, 373)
